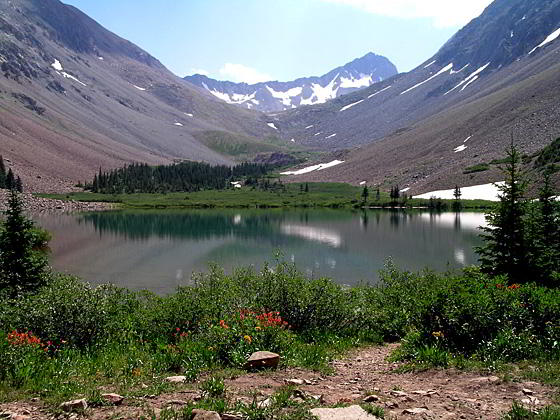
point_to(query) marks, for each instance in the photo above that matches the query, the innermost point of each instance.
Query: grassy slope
(319, 195)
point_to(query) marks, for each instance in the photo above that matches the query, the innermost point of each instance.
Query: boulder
(74, 405)
(176, 379)
(354, 412)
(263, 359)
(205, 415)
(114, 399)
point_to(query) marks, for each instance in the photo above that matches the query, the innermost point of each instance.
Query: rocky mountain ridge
(277, 96)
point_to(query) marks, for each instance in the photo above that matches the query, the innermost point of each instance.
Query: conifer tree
(365, 193)
(10, 180)
(2, 173)
(457, 195)
(22, 268)
(504, 250)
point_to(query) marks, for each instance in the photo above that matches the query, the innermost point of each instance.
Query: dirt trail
(434, 394)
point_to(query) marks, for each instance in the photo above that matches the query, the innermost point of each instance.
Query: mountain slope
(278, 96)
(74, 97)
(497, 76)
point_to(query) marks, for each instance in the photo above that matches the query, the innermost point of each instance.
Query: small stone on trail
(294, 381)
(231, 416)
(415, 411)
(354, 412)
(262, 359)
(205, 415)
(74, 405)
(527, 391)
(114, 399)
(176, 379)
(399, 394)
(371, 398)
(391, 404)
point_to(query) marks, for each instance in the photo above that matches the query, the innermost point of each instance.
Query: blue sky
(259, 40)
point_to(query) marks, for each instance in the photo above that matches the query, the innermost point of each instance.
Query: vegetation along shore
(66, 347)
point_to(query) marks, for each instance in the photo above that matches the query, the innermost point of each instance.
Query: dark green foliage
(185, 176)
(10, 180)
(365, 193)
(522, 240)
(519, 412)
(457, 205)
(22, 264)
(550, 155)
(505, 248)
(481, 167)
(2, 173)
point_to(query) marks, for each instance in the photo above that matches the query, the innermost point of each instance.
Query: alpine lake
(159, 250)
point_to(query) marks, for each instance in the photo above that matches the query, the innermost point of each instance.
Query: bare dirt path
(433, 394)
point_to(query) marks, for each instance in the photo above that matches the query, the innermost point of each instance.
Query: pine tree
(306, 187)
(543, 237)
(377, 194)
(457, 205)
(10, 180)
(504, 250)
(22, 269)
(19, 185)
(365, 193)
(2, 173)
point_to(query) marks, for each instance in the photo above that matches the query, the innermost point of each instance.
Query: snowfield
(548, 40)
(478, 192)
(318, 167)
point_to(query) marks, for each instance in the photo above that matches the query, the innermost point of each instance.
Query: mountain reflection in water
(159, 250)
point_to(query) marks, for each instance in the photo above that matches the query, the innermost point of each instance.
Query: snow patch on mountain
(378, 92)
(443, 70)
(313, 168)
(321, 94)
(470, 79)
(548, 40)
(344, 108)
(363, 81)
(271, 125)
(59, 70)
(477, 192)
(331, 136)
(460, 148)
(285, 97)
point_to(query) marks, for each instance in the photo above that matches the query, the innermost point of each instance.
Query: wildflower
(248, 339)
(514, 286)
(223, 324)
(438, 334)
(258, 328)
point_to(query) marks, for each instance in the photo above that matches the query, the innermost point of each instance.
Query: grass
(111, 338)
(328, 195)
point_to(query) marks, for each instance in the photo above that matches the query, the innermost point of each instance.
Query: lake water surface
(159, 250)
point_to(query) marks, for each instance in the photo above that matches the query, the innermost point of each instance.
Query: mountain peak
(278, 96)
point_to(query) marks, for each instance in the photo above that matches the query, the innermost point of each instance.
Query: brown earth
(438, 394)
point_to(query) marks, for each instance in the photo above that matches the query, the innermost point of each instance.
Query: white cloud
(200, 71)
(443, 13)
(240, 73)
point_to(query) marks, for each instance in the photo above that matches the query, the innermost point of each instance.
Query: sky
(261, 40)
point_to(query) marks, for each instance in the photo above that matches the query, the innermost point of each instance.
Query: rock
(371, 398)
(114, 399)
(294, 381)
(491, 379)
(205, 415)
(391, 404)
(527, 391)
(264, 403)
(415, 411)
(531, 401)
(399, 394)
(232, 416)
(263, 359)
(20, 417)
(354, 412)
(177, 402)
(176, 379)
(74, 405)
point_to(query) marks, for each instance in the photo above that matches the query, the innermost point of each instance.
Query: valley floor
(431, 394)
